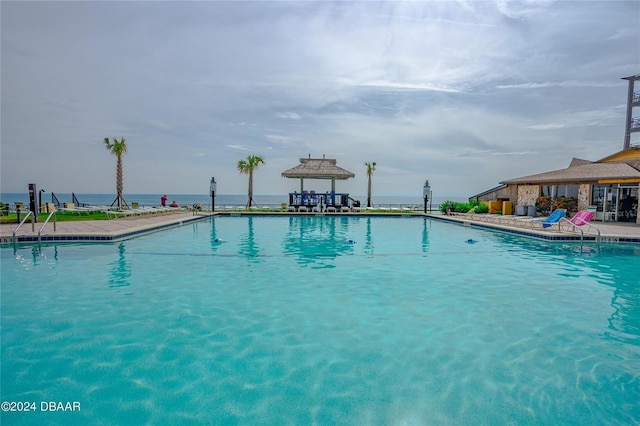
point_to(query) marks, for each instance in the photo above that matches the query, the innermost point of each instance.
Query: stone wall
(584, 196)
(528, 194)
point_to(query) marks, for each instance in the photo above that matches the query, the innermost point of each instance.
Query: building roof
(579, 162)
(318, 168)
(622, 165)
(489, 191)
(591, 172)
(629, 155)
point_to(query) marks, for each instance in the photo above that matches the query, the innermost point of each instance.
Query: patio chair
(554, 219)
(581, 219)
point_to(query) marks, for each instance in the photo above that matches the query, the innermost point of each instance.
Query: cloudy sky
(463, 93)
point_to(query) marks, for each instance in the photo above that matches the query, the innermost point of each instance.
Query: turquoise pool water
(322, 320)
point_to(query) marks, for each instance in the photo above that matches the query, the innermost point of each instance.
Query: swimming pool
(325, 320)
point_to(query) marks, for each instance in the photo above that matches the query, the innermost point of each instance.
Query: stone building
(610, 185)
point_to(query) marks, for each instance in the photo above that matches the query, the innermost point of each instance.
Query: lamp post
(40, 201)
(32, 201)
(212, 189)
(426, 192)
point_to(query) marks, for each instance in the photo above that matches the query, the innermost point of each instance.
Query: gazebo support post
(318, 168)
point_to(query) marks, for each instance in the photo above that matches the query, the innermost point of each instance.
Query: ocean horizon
(205, 199)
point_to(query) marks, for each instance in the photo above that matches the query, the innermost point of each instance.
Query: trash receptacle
(507, 208)
(521, 210)
(531, 211)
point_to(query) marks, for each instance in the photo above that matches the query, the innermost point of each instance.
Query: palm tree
(371, 167)
(117, 148)
(247, 167)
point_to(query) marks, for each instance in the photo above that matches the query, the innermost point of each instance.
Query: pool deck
(96, 230)
(612, 232)
(123, 228)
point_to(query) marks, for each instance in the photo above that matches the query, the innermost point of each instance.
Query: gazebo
(318, 168)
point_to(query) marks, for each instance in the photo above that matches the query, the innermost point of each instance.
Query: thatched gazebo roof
(318, 168)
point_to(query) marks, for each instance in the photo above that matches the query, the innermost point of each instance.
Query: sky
(462, 93)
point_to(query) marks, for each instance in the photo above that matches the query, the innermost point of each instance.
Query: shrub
(447, 204)
(569, 204)
(544, 204)
(482, 208)
(463, 207)
(458, 207)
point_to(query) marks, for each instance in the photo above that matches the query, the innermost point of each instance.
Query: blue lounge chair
(554, 219)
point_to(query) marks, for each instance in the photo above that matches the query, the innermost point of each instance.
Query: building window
(597, 195)
(569, 191)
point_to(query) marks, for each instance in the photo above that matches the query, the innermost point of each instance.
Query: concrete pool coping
(609, 232)
(89, 231)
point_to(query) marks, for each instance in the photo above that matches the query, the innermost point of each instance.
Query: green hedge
(460, 207)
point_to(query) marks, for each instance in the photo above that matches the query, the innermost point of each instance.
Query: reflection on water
(368, 240)
(38, 255)
(625, 318)
(316, 239)
(248, 246)
(120, 271)
(425, 235)
(215, 242)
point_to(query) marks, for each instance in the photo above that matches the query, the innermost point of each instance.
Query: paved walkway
(121, 228)
(609, 231)
(100, 230)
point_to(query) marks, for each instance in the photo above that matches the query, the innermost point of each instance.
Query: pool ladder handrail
(579, 228)
(33, 224)
(45, 223)
(202, 208)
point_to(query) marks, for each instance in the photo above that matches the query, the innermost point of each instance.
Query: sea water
(271, 201)
(322, 320)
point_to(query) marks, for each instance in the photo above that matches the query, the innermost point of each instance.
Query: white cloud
(423, 88)
(289, 115)
(568, 84)
(407, 86)
(238, 147)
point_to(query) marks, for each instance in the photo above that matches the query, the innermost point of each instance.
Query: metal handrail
(579, 228)
(197, 207)
(33, 224)
(45, 223)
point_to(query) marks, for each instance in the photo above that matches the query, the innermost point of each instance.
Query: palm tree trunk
(119, 182)
(250, 194)
(369, 192)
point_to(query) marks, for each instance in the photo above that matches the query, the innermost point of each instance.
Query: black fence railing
(55, 200)
(312, 199)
